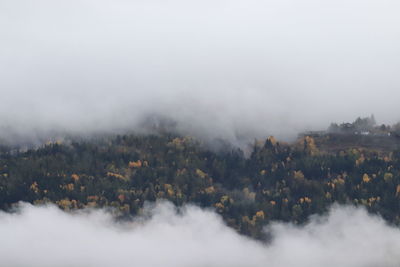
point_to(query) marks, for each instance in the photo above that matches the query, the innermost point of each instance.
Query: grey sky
(220, 68)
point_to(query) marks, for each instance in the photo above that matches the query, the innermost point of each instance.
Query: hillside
(276, 182)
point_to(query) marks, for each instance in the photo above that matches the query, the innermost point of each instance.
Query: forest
(275, 181)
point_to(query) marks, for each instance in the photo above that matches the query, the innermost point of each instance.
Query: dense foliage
(275, 182)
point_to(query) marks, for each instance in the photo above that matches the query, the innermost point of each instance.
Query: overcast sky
(219, 68)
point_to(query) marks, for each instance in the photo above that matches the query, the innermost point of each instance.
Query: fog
(220, 69)
(167, 237)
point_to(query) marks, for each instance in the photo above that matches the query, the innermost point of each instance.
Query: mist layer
(165, 236)
(220, 69)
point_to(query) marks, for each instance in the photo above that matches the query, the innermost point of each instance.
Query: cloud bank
(191, 237)
(220, 69)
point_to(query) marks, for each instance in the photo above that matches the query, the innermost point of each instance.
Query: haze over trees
(276, 181)
(187, 133)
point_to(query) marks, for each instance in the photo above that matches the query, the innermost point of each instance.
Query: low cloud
(219, 69)
(191, 237)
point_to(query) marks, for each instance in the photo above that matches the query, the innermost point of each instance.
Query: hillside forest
(275, 181)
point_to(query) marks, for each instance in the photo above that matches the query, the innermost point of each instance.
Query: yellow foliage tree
(272, 140)
(34, 187)
(298, 175)
(260, 215)
(398, 190)
(169, 189)
(210, 190)
(388, 177)
(75, 177)
(366, 178)
(135, 164)
(201, 174)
